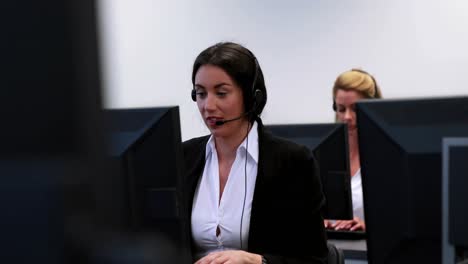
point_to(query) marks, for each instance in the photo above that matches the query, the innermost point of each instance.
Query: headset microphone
(222, 122)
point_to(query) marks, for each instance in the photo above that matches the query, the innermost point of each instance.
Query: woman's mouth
(211, 120)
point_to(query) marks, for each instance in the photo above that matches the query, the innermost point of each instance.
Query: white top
(209, 212)
(356, 191)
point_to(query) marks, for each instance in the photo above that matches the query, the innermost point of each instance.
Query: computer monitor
(400, 144)
(54, 174)
(145, 145)
(50, 110)
(51, 78)
(329, 143)
(454, 197)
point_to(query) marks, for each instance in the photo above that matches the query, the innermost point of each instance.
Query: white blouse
(208, 212)
(356, 191)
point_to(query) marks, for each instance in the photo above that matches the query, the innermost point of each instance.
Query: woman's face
(219, 98)
(345, 107)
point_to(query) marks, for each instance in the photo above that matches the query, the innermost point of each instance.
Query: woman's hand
(231, 257)
(352, 225)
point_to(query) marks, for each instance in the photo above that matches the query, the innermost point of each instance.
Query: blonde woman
(350, 87)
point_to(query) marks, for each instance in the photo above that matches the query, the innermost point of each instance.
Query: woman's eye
(201, 94)
(221, 94)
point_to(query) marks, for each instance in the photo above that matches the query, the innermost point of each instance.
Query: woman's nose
(348, 114)
(210, 102)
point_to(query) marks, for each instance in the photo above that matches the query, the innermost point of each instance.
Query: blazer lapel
(194, 170)
(265, 173)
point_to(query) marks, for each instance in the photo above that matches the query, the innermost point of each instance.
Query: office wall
(414, 48)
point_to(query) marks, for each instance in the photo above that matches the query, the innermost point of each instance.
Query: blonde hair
(359, 81)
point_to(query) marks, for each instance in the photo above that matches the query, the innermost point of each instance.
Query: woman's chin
(352, 131)
(216, 131)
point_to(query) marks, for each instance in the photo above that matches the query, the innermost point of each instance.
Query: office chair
(335, 255)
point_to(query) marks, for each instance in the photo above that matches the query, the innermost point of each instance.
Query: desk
(355, 251)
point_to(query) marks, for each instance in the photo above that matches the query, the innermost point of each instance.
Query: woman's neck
(355, 164)
(226, 147)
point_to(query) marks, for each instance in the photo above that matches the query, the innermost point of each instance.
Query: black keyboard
(345, 234)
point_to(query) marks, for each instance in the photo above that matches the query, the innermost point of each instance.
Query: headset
(257, 94)
(376, 87)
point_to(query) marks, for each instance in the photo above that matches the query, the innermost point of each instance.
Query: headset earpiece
(258, 97)
(257, 94)
(194, 95)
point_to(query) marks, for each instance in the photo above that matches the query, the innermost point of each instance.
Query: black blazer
(285, 225)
